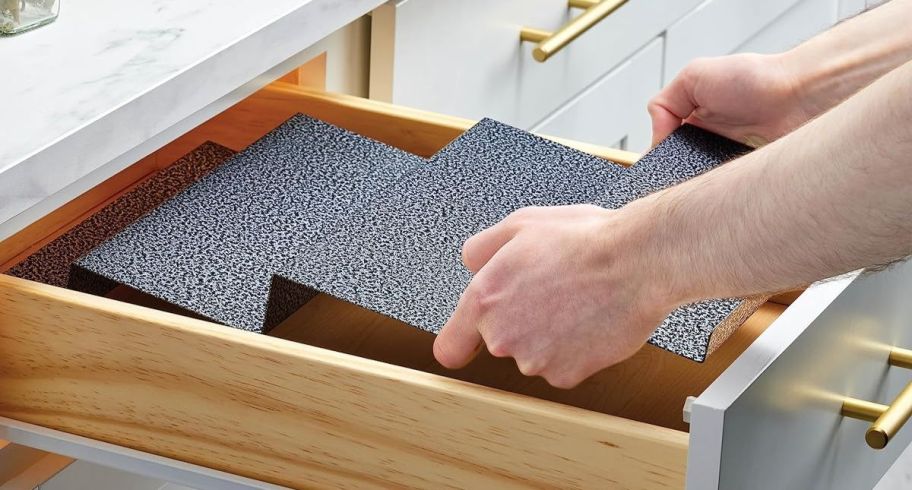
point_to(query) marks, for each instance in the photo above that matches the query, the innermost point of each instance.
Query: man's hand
(749, 98)
(756, 98)
(565, 291)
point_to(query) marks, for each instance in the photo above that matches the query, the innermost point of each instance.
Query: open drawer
(339, 397)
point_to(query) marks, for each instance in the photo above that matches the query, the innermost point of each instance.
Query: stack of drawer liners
(51, 263)
(313, 208)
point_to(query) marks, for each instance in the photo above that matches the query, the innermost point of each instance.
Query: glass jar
(21, 15)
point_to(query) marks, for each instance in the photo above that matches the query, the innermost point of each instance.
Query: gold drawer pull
(886, 419)
(552, 42)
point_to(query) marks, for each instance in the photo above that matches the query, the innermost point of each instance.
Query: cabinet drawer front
(716, 28)
(798, 24)
(470, 51)
(773, 419)
(625, 90)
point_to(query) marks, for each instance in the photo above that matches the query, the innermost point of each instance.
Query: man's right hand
(749, 98)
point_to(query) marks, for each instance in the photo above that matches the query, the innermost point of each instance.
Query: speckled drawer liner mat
(311, 207)
(215, 248)
(51, 263)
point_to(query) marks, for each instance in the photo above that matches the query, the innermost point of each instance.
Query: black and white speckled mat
(311, 207)
(51, 263)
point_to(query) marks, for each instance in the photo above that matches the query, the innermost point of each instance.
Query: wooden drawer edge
(296, 415)
(378, 119)
(416, 131)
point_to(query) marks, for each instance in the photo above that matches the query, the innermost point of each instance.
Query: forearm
(832, 66)
(831, 197)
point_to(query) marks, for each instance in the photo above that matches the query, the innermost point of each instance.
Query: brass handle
(886, 419)
(552, 42)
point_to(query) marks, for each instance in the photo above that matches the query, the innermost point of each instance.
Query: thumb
(670, 108)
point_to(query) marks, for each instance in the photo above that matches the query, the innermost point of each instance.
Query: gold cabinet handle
(886, 419)
(552, 42)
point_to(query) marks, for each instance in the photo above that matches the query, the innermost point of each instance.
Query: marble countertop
(111, 81)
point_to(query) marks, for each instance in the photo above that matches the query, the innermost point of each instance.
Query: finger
(671, 107)
(459, 341)
(479, 248)
(663, 123)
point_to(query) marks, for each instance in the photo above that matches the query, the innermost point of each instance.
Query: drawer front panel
(797, 25)
(297, 415)
(776, 417)
(464, 57)
(718, 27)
(614, 108)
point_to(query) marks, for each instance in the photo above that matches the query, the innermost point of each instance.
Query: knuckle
(530, 366)
(501, 342)
(695, 68)
(523, 214)
(654, 105)
(483, 295)
(564, 380)
(499, 347)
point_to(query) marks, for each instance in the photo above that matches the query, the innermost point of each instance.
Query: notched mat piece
(311, 207)
(215, 248)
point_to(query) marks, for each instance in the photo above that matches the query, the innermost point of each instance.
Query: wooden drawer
(624, 90)
(364, 405)
(470, 51)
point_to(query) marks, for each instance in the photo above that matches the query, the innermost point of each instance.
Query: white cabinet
(798, 24)
(613, 109)
(465, 58)
(720, 27)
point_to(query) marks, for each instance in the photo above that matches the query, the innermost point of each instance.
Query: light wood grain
(787, 297)
(311, 74)
(649, 387)
(298, 415)
(415, 131)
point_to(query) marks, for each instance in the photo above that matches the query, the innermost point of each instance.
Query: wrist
(642, 245)
(802, 81)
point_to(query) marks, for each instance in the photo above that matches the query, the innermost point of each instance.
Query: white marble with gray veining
(110, 81)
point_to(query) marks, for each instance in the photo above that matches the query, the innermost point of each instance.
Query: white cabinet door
(614, 108)
(464, 57)
(800, 23)
(773, 418)
(719, 27)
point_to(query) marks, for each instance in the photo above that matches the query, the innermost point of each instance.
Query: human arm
(568, 291)
(756, 98)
